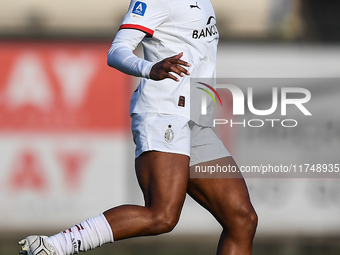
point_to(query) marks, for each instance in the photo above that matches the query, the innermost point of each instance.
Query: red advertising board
(61, 86)
(64, 132)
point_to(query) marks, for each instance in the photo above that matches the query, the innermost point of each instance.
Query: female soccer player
(180, 42)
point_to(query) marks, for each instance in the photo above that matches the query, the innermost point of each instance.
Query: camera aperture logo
(212, 89)
(239, 104)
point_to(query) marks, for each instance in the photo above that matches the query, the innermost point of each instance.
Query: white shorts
(175, 134)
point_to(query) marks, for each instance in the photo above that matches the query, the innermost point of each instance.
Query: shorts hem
(210, 159)
(162, 150)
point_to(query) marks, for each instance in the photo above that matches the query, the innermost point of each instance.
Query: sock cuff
(104, 228)
(84, 236)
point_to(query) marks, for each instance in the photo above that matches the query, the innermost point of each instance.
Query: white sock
(89, 234)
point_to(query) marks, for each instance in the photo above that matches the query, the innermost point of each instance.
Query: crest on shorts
(169, 134)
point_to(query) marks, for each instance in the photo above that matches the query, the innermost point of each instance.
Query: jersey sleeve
(146, 15)
(121, 57)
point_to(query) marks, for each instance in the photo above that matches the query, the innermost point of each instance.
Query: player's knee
(164, 222)
(245, 219)
(252, 221)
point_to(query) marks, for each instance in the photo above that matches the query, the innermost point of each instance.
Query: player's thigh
(226, 198)
(162, 157)
(163, 178)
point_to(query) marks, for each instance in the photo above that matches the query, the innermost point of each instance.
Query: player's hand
(162, 70)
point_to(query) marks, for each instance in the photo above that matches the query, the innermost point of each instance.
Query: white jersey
(171, 27)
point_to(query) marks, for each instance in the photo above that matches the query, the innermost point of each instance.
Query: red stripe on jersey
(148, 31)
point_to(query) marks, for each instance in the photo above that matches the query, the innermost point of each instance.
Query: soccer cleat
(36, 245)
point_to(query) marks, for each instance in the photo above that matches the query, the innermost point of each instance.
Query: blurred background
(67, 154)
